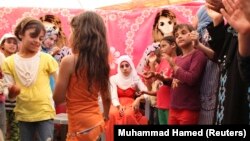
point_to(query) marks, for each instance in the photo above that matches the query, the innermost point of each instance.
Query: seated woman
(125, 105)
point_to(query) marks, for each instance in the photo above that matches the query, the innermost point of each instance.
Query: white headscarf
(122, 81)
(49, 32)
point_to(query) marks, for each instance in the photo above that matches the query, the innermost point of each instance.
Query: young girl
(30, 70)
(9, 46)
(60, 48)
(50, 40)
(168, 48)
(82, 76)
(153, 60)
(187, 73)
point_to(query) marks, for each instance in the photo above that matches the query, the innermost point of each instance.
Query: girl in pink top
(168, 48)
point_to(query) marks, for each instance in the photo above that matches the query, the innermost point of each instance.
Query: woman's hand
(244, 6)
(121, 110)
(236, 16)
(136, 104)
(216, 5)
(214, 15)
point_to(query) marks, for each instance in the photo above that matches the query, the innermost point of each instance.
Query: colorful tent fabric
(129, 31)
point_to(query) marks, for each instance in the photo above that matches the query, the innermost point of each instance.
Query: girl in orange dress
(79, 78)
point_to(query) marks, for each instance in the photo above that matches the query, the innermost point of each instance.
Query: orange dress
(130, 117)
(85, 121)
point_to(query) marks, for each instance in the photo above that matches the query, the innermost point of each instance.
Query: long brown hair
(90, 43)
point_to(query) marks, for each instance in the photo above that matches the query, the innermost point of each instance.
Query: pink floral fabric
(129, 32)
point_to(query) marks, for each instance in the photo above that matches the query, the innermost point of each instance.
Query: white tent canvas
(80, 4)
(71, 4)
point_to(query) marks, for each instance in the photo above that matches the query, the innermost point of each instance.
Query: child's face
(50, 41)
(10, 45)
(166, 48)
(182, 37)
(30, 42)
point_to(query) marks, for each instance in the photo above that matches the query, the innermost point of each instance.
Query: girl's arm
(62, 81)
(142, 88)
(192, 75)
(106, 101)
(238, 18)
(54, 75)
(217, 31)
(148, 93)
(207, 51)
(198, 45)
(13, 89)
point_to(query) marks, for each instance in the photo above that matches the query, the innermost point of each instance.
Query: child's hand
(105, 117)
(194, 35)
(3, 88)
(152, 58)
(175, 83)
(139, 93)
(14, 91)
(148, 74)
(55, 50)
(136, 104)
